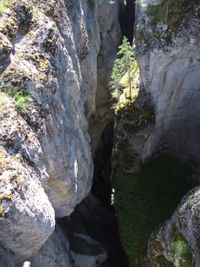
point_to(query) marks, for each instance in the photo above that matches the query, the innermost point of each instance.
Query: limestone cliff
(167, 44)
(48, 53)
(55, 64)
(160, 117)
(167, 50)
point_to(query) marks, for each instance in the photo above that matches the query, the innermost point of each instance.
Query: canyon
(85, 182)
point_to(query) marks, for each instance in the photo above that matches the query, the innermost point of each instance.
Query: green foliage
(22, 98)
(129, 88)
(121, 65)
(4, 6)
(181, 252)
(145, 200)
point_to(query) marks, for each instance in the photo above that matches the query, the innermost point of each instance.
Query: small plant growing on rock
(181, 252)
(22, 98)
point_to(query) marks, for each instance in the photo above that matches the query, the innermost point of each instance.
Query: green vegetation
(128, 87)
(22, 98)
(171, 12)
(132, 105)
(181, 252)
(122, 66)
(4, 6)
(145, 200)
(131, 119)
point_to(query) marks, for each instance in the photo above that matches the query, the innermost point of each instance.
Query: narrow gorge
(99, 133)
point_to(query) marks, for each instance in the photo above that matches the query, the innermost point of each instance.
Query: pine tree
(121, 66)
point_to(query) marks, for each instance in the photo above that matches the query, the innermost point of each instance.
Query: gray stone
(6, 259)
(54, 253)
(50, 52)
(181, 230)
(170, 75)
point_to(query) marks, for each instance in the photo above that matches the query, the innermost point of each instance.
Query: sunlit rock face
(110, 37)
(49, 51)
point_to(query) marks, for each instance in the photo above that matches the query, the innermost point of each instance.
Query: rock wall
(176, 243)
(110, 37)
(49, 53)
(167, 46)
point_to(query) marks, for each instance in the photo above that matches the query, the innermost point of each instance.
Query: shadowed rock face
(169, 67)
(174, 88)
(177, 241)
(127, 19)
(50, 50)
(110, 36)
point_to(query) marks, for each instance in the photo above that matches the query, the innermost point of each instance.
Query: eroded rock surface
(55, 252)
(27, 217)
(167, 45)
(168, 56)
(177, 241)
(110, 36)
(49, 52)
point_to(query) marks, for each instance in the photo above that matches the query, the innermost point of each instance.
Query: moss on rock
(164, 21)
(145, 200)
(181, 252)
(173, 13)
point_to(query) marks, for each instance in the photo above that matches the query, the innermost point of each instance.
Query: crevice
(102, 190)
(127, 18)
(145, 200)
(102, 166)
